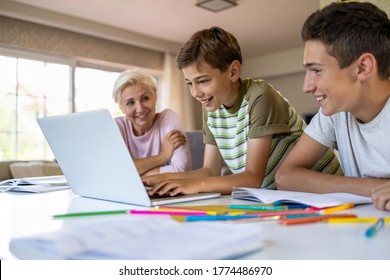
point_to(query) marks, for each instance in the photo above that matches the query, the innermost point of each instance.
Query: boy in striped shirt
(246, 123)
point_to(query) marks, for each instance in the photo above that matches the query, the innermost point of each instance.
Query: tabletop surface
(30, 214)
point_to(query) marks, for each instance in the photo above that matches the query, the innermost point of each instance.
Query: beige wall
(383, 4)
(291, 87)
(285, 72)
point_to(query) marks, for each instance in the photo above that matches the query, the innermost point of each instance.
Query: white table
(29, 214)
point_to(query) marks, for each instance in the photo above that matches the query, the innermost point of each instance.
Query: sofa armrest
(5, 172)
(20, 169)
(34, 169)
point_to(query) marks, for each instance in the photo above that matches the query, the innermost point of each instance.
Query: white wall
(285, 72)
(274, 64)
(291, 87)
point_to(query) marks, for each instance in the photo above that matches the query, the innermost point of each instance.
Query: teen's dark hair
(213, 46)
(351, 29)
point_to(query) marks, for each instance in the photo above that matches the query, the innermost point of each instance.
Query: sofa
(22, 169)
(195, 141)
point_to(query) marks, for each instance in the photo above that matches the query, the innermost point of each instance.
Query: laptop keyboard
(165, 195)
(156, 195)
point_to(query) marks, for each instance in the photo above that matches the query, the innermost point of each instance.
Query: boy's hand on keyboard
(174, 187)
(151, 180)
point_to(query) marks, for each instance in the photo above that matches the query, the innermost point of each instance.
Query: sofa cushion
(195, 142)
(5, 172)
(34, 169)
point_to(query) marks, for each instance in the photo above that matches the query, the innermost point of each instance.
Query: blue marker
(371, 231)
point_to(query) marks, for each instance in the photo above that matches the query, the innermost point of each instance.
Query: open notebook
(34, 184)
(287, 197)
(92, 155)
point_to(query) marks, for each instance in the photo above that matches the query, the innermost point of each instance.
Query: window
(29, 89)
(94, 90)
(38, 87)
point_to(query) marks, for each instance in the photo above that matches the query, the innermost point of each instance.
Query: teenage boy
(347, 61)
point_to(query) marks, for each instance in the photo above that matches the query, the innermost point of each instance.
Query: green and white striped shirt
(259, 111)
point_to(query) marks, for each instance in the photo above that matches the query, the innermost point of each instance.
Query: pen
(257, 207)
(357, 220)
(372, 230)
(337, 208)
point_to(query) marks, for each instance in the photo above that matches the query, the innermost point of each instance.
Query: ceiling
(261, 26)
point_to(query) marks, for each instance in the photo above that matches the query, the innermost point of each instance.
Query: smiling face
(335, 89)
(138, 103)
(211, 87)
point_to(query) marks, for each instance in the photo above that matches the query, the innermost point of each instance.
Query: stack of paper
(142, 239)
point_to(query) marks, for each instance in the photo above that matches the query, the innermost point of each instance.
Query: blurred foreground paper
(142, 239)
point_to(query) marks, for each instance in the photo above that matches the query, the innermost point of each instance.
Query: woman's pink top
(150, 144)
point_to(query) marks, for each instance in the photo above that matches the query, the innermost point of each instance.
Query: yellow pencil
(338, 208)
(357, 220)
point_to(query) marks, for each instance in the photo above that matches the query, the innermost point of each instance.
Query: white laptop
(96, 162)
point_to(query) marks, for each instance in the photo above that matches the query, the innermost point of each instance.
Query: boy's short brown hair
(213, 46)
(350, 29)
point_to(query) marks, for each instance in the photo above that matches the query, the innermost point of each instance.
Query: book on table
(291, 197)
(35, 184)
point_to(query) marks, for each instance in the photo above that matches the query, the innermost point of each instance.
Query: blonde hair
(133, 77)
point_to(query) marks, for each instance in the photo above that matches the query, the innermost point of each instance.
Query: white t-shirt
(364, 148)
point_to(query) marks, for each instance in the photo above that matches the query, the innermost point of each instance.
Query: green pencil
(81, 214)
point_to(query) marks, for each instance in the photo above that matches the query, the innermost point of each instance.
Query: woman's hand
(171, 142)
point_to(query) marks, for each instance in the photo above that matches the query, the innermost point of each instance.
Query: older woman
(155, 141)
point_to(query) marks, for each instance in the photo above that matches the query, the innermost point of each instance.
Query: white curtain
(173, 94)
